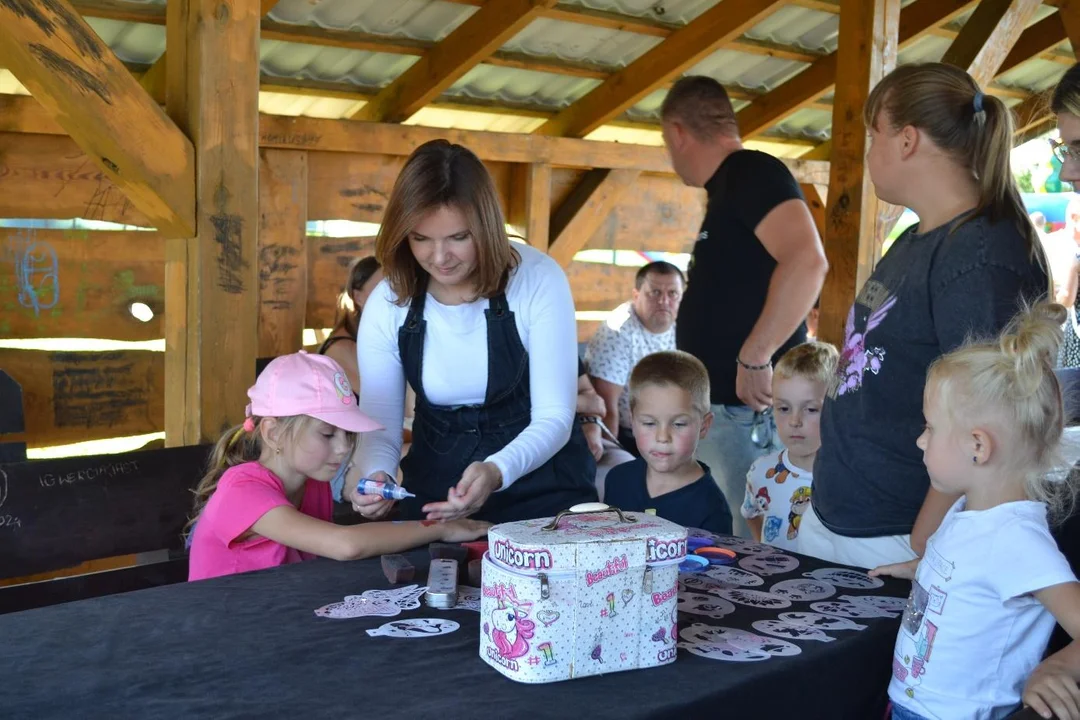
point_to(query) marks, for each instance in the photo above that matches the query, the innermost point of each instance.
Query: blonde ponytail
(1012, 381)
(236, 446)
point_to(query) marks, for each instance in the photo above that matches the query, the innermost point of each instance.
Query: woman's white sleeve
(382, 384)
(548, 310)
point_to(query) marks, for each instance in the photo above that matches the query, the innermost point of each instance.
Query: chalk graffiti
(228, 234)
(277, 275)
(95, 389)
(37, 271)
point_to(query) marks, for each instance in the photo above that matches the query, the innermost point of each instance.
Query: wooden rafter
(585, 209)
(301, 133)
(681, 50)
(988, 36)
(473, 41)
(818, 79)
(90, 93)
(1036, 40)
(1069, 15)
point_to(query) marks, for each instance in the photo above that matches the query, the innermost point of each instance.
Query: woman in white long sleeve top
(484, 332)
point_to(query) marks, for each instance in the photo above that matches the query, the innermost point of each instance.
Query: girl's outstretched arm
(1052, 688)
(292, 528)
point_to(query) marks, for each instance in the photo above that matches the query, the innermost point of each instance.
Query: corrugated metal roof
(808, 30)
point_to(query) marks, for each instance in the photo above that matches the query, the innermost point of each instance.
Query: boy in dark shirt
(669, 408)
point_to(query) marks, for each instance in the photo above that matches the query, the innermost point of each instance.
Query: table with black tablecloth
(251, 646)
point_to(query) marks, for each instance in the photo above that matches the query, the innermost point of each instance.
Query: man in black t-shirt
(757, 268)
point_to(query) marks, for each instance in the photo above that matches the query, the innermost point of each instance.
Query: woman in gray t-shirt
(940, 147)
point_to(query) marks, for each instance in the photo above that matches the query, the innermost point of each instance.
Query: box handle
(588, 509)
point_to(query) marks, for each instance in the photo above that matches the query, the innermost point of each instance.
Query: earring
(975, 459)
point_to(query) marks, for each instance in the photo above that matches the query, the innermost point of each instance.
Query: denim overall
(446, 440)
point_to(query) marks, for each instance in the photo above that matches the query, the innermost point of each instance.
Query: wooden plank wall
(64, 283)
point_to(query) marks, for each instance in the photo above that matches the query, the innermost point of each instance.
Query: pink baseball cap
(306, 384)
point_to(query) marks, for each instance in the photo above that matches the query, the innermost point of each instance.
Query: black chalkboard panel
(59, 513)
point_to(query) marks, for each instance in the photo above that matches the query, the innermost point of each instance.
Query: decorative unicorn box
(592, 591)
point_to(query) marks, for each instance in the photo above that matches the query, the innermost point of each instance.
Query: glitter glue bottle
(390, 491)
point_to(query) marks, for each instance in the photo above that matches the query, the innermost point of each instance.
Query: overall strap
(411, 342)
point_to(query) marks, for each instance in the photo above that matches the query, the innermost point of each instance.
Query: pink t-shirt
(244, 494)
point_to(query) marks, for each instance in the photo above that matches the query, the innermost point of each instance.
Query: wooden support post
(866, 52)
(212, 279)
(477, 38)
(817, 206)
(283, 252)
(684, 48)
(530, 203)
(988, 36)
(90, 93)
(153, 80)
(1069, 15)
(583, 211)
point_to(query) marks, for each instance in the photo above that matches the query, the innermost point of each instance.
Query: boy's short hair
(814, 361)
(676, 368)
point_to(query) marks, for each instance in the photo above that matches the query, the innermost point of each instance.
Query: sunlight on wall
(93, 447)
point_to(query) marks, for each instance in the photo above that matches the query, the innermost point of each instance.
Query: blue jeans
(729, 451)
(901, 713)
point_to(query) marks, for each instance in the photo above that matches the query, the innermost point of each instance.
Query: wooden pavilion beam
(681, 50)
(1038, 39)
(153, 80)
(585, 209)
(90, 93)
(1069, 15)
(530, 203)
(212, 277)
(477, 38)
(867, 52)
(818, 79)
(988, 36)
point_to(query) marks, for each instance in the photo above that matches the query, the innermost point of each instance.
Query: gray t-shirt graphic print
(928, 295)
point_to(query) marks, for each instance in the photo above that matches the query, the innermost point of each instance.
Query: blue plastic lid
(693, 563)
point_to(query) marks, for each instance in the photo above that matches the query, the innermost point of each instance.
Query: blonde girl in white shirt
(987, 591)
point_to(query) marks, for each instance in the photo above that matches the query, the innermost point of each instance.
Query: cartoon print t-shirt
(972, 631)
(779, 493)
(930, 293)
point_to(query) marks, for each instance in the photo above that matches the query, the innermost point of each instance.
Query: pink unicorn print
(510, 627)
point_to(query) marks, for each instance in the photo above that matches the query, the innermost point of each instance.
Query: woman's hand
(467, 497)
(595, 437)
(904, 570)
(372, 507)
(1052, 691)
(464, 530)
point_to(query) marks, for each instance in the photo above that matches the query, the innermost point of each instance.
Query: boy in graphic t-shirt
(778, 486)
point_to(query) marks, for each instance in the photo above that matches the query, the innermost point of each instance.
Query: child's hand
(372, 507)
(904, 570)
(1052, 692)
(464, 530)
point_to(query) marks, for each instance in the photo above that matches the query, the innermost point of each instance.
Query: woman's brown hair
(348, 315)
(441, 174)
(975, 129)
(1066, 98)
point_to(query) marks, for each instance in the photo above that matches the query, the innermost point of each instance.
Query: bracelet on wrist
(752, 368)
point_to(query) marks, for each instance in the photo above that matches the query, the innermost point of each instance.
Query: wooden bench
(56, 514)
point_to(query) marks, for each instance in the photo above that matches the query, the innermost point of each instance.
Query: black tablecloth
(251, 646)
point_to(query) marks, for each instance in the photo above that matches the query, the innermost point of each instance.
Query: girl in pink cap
(266, 500)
